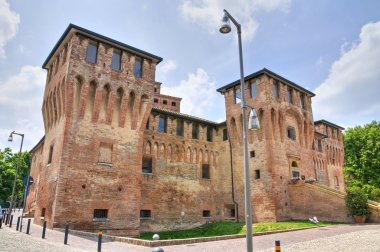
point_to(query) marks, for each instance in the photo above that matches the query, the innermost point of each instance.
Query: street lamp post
(253, 124)
(10, 139)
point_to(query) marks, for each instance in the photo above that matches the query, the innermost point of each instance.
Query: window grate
(100, 213)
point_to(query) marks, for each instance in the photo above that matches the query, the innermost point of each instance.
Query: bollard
(10, 221)
(277, 246)
(18, 223)
(28, 227)
(1, 222)
(44, 230)
(7, 219)
(156, 237)
(66, 234)
(100, 233)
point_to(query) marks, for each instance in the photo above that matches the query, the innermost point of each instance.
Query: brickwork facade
(120, 155)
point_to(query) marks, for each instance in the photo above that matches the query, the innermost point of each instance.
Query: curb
(147, 243)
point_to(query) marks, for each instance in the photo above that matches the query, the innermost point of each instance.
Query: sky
(331, 48)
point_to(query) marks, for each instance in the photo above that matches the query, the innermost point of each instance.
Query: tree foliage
(362, 157)
(356, 202)
(8, 163)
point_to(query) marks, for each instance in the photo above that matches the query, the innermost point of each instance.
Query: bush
(375, 195)
(356, 202)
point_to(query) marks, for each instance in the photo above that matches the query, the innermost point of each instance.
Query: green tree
(8, 162)
(362, 157)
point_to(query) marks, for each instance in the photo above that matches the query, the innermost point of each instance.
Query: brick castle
(119, 155)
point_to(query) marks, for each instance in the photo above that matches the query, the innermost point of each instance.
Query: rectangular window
(147, 165)
(105, 153)
(162, 123)
(232, 213)
(209, 134)
(174, 104)
(145, 214)
(195, 131)
(336, 181)
(253, 89)
(155, 100)
(320, 145)
(50, 155)
(147, 124)
(302, 100)
(116, 60)
(257, 174)
(252, 154)
(206, 213)
(43, 211)
(137, 70)
(165, 102)
(237, 95)
(289, 95)
(276, 90)
(225, 135)
(179, 127)
(295, 174)
(92, 51)
(205, 171)
(291, 133)
(100, 213)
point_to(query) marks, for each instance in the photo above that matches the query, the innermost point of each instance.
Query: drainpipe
(232, 181)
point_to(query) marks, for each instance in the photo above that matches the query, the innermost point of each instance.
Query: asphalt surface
(332, 238)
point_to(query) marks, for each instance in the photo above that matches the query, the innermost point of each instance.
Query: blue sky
(330, 47)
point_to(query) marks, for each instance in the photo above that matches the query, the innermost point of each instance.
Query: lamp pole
(10, 139)
(247, 187)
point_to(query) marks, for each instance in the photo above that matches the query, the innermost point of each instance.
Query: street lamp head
(10, 138)
(253, 123)
(225, 27)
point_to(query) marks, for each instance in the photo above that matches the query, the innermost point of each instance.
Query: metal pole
(247, 185)
(17, 168)
(10, 221)
(66, 234)
(18, 223)
(25, 196)
(28, 227)
(100, 233)
(44, 230)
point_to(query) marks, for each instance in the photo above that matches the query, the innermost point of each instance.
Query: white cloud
(164, 68)
(197, 92)
(209, 13)
(350, 94)
(9, 21)
(20, 105)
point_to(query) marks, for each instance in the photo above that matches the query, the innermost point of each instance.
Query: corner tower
(98, 97)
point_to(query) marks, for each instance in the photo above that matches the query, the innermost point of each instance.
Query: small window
(320, 145)
(206, 213)
(276, 89)
(116, 60)
(165, 102)
(43, 211)
(147, 124)
(252, 154)
(289, 95)
(147, 165)
(137, 70)
(145, 214)
(162, 124)
(179, 127)
(155, 100)
(253, 89)
(336, 181)
(295, 174)
(225, 135)
(237, 95)
(50, 155)
(174, 104)
(232, 213)
(302, 100)
(257, 174)
(291, 133)
(92, 51)
(205, 171)
(100, 213)
(195, 131)
(105, 153)
(155, 90)
(209, 134)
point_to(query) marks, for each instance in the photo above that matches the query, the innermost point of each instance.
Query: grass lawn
(230, 228)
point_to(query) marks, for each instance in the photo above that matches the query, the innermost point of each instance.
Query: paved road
(331, 239)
